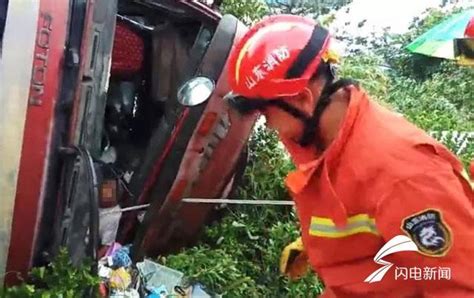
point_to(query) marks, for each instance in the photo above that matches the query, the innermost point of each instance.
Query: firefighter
(364, 174)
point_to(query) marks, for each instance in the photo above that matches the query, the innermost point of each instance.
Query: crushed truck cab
(91, 120)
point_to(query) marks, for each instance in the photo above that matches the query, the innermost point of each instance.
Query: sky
(381, 13)
(396, 14)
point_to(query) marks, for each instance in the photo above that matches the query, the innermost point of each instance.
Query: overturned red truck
(112, 103)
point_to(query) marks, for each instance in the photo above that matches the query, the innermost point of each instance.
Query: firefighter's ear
(307, 101)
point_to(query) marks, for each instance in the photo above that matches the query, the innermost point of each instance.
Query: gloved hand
(294, 260)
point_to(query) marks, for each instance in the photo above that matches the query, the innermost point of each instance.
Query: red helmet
(277, 57)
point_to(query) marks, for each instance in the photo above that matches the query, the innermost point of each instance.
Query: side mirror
(195, 91)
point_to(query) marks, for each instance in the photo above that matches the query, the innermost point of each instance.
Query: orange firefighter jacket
(383, 177)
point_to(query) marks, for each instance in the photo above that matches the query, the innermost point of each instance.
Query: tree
(247, 11)
(250, 11)
(306, 7)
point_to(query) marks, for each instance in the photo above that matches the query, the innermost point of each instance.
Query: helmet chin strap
(311, 132)
(311, 135)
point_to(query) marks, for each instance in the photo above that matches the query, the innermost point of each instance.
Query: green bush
(369, 71)
(58, 279)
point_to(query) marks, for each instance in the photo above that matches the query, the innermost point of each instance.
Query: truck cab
(111, 104)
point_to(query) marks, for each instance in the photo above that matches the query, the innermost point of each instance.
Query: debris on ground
(121, 278)
(155, 276)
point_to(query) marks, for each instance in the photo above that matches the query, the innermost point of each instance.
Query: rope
(210, 201)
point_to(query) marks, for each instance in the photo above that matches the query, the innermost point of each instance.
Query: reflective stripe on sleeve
(325, 227)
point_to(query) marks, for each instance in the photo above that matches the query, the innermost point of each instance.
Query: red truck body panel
(47, 68)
